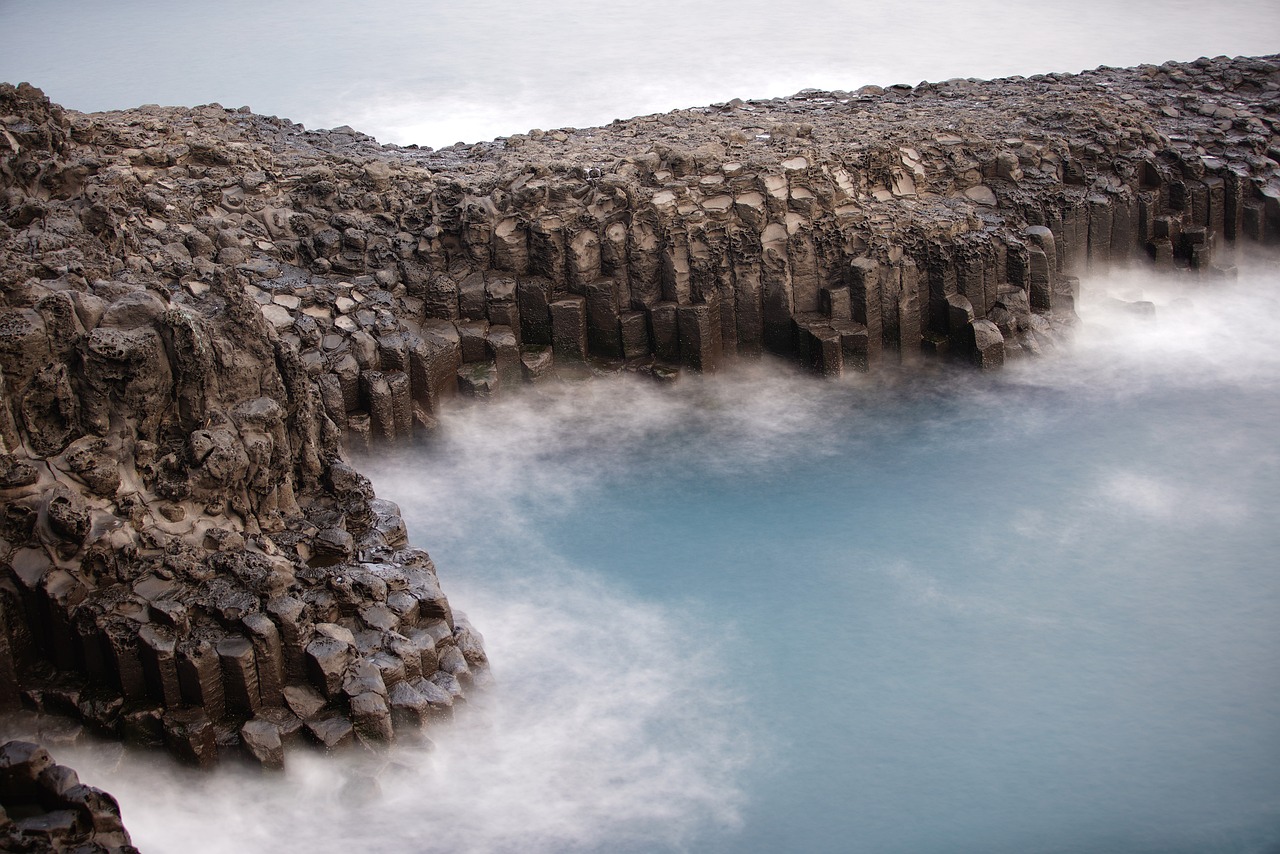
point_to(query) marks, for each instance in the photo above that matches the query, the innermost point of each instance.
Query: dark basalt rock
(45, 807)
(205, 314)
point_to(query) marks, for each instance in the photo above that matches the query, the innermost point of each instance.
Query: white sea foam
(621, 718)
(1204, 332)
(605, 731)
(616, 721)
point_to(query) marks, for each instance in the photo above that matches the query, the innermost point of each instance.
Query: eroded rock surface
(205, 310)
(189, 560)
(45, 808)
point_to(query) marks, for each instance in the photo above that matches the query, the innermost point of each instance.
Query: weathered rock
(439, 699)
(195, 333)
(537, 365)
(371, 717)
(330, 729)
(15, 472)
(988, 344)
(304, 701)
(190, 735)
(569, 329)
(479, 380)
(327, 661)
(45, 807)
(240, 675)
(261, 740)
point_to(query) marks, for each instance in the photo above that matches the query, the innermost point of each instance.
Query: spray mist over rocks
(1200, 333)
(832, 601)
(589, 741)
(710, 633)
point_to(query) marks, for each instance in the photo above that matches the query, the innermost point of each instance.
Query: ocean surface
(433, 73)
(1029, 611)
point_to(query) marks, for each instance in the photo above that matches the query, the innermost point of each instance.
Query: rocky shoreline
(208, 314)
(45, 807)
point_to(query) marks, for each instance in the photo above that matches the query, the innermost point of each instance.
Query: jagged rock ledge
(45, 808)
(206, 310)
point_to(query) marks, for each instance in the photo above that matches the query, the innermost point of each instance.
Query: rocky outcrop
(208, 313)
(189, 560)
(44, 807)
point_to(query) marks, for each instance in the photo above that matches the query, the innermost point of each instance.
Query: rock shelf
(207, 314)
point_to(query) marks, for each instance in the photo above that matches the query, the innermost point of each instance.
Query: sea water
(430, 72)
(918, 611)
(925, 612)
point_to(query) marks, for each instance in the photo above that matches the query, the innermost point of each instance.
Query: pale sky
(435, 73)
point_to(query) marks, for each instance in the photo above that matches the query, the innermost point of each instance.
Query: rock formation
(207, 314)
(44, 807)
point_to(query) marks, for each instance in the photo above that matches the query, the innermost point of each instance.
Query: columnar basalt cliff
(45, 808)
(205, 311)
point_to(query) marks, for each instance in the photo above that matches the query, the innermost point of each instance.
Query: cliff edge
(206, 313)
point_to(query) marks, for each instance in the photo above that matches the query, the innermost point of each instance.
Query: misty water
(432, 73)
(1029, 611)
(1034, 611)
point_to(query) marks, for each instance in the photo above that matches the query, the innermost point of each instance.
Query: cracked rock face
(189, 560)
(207, 312)
(45, 807)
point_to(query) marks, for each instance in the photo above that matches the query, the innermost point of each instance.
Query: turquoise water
(948, 640)
(1034, 611)
(1029, 612)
